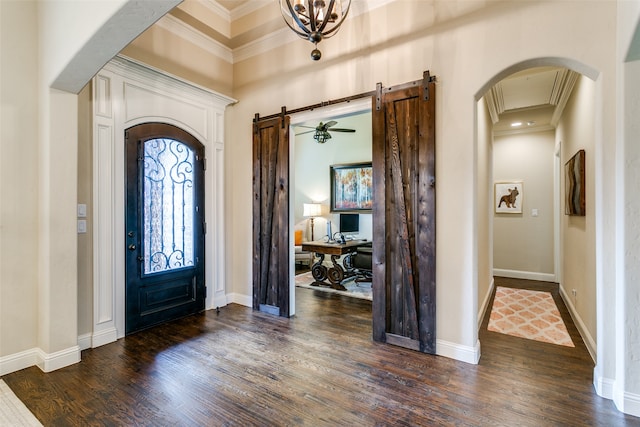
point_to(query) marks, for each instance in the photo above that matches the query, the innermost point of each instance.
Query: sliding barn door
(404, 288)
(271, 216)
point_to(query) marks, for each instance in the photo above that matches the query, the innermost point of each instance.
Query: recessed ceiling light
(531, 123)
(516, 124)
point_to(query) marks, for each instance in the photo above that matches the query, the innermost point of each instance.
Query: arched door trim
(126, 94)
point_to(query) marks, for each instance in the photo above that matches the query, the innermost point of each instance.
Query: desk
(336, 273)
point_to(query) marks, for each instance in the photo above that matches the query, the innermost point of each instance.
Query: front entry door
(164, 225)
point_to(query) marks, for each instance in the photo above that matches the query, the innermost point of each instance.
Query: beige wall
(630, 320)
(39, 316)
(485, 208)
(627, 314)
(159, 48)
(524, 242)
(576, 131)
(66, 26)
(454, 42)
(455, 48)
(466, 44)
(18, 177)
(57, 249)
(85, 183)
(38, 198)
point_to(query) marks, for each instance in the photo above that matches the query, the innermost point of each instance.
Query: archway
(566, 140)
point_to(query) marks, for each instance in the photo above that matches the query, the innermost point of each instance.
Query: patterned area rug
(528, 314)
(355, 290)
(12, 410)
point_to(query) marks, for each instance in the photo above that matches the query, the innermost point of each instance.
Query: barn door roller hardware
(426, 79)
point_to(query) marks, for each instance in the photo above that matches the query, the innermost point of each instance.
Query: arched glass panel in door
(168, 206)
(165, 226)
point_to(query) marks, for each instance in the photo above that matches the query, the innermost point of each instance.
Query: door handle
(132, 247)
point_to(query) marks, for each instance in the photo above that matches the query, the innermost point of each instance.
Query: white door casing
(125, 94)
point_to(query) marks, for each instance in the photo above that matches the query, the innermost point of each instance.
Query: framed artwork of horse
(508, 197)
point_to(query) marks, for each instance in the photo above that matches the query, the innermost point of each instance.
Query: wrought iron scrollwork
(168, 205)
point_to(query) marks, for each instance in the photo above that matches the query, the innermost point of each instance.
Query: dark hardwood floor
(321, 368)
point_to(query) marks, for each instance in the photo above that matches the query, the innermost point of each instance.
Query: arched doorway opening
(573, 244)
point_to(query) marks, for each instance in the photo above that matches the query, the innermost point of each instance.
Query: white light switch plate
(82, 226)
(534, 212)
(82, 211)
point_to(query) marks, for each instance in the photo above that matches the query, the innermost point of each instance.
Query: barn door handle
(132, 247)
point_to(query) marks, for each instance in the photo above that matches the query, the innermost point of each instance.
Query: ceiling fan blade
(302, 133)
(329, 124)
(341, 130)
(308, 127)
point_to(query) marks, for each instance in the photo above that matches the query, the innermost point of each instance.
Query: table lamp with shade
(311, 210)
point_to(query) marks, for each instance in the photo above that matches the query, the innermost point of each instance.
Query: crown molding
(138, 70)
(562, 92)
(264, 43)
(495, 102)
(285, 35)
(222, 12)
(247, 8)
(187, 32)
(216, 8)
(534, 129)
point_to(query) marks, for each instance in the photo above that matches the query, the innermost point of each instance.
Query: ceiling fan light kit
(314, 20)
(322, 134)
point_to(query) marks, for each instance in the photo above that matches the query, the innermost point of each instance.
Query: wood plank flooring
(321, 368)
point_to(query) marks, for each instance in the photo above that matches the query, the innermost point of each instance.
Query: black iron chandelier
(314, 20)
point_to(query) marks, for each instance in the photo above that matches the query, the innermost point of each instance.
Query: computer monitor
(349, 223)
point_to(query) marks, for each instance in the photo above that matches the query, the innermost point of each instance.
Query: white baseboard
(528, 275)
(84, 341)
(17, 361)
(47, 362)
(51, 361)
(220, 300)
(632, 404)
(459, 352)
(629, 403)
(626, 402)
(246, 300)
(103, 337)
(603, 386)
(485, 303)
(582, 328)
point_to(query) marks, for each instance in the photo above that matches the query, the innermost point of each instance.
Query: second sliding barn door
(404, 288)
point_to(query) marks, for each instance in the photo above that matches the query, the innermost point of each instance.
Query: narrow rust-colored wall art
(574, 185)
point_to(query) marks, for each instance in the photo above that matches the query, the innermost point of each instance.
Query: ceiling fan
(322, 131)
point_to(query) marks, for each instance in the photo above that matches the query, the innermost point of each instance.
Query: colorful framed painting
(351, 187)
(508, 197)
